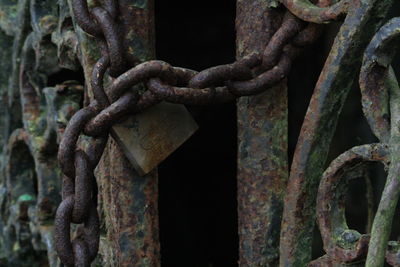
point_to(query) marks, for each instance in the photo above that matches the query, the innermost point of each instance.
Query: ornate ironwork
(44, 41)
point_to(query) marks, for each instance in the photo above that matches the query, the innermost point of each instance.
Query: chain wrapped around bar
(250, 75)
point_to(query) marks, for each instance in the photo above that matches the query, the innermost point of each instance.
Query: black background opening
(197, 183)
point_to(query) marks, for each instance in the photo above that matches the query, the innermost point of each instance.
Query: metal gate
(88, 114)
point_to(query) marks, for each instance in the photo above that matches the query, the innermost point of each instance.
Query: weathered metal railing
(276, 209)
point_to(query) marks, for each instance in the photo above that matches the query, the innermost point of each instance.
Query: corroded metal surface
(342, 244)
(380, 96)
(124, 195)
(262, 126)
(393, 254)
(30, 176)
(257, 73)
(262, 144)
(132, 198)
(377, 60)
(334, 83)
(112, 41)
(308, 11)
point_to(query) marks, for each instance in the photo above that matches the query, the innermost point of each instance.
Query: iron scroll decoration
(251, 75)
(380, 100)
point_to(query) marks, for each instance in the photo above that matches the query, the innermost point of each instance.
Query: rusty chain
(321, 13)
(250, 75)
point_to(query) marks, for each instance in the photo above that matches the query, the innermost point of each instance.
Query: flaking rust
(334, 83)
(268, 41)
(377, 59)
(262, 124)
(344, 245)
(262, 146)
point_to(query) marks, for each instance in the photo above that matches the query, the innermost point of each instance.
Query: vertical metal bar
(128, 201)
(130, 209)
(262, 146)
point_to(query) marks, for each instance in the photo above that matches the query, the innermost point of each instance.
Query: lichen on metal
(276, 212)
(335, 81)
(29, 167)
(377, 60)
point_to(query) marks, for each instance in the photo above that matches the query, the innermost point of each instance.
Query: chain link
(253, 74)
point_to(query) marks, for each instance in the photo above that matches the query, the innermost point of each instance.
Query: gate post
(128, 202)
(262, 146)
